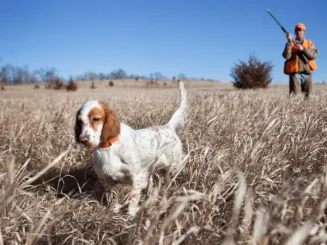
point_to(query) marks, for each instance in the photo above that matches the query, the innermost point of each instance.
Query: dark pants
(302, 83)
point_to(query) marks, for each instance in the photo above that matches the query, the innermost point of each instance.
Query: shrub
(152, 84)
(71, 85)
(251, 75)
(58, 84)
(111, 83)
(92, 85)
(36, 86)
(2, 87)
(48, 86)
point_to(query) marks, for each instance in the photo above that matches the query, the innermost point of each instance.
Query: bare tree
(151, 76)
(158, 76)
(33, 77)
(47, 74)
(118, 74)
(3, 76)
(182, 76)
(90, 76)
(102, 76)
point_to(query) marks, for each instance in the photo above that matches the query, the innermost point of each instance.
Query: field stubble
(255, 172)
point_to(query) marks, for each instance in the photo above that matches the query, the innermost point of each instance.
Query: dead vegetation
(152, 83)
(71, 85)
(252, 74)
(57, 84)
(92, 85)
(254, 173)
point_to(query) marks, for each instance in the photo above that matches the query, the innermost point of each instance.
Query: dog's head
(95, 124)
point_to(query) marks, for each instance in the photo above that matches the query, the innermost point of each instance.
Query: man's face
(299, 34)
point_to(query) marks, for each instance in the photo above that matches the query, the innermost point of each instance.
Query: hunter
(300, 74)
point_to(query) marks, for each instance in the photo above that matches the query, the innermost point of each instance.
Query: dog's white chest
(111, 165)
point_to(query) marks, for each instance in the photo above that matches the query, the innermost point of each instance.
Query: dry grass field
(255, 172)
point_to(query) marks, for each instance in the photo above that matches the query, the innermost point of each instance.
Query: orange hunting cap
(300, 26)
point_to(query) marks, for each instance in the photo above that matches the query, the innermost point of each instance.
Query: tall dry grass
(254, 174)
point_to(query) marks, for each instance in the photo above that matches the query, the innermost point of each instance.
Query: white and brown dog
(121, 152)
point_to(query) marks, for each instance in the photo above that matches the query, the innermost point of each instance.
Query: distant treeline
(10, 74)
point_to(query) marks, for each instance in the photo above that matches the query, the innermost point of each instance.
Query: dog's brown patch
(111, 124)
(96, 116)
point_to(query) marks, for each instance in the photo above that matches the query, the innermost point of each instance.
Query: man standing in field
(300, 74)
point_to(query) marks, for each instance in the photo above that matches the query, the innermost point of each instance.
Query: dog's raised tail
(180, 116)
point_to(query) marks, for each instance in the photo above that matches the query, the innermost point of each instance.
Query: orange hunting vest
(295, 64)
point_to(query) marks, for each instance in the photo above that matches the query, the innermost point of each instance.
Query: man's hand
(289, 37)
(299, 47)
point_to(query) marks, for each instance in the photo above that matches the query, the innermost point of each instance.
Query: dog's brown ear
(77, 127)
(111, 125)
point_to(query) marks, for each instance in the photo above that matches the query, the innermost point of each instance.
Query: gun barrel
(284, 30)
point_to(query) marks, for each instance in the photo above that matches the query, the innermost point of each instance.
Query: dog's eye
(96, 119)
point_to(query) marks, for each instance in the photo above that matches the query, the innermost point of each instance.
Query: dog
(122, 153)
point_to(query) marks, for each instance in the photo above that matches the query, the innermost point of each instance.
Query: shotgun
(304, 59)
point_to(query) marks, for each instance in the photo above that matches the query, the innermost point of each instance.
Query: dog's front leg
(106, 183)
(108, 186)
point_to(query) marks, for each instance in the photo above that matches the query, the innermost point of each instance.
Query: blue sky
(197, 38)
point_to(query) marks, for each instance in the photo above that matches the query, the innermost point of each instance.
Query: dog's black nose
(84, 139)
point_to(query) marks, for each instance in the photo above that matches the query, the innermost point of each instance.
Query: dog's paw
(116, 208)
(108, 197)
(132, 210)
